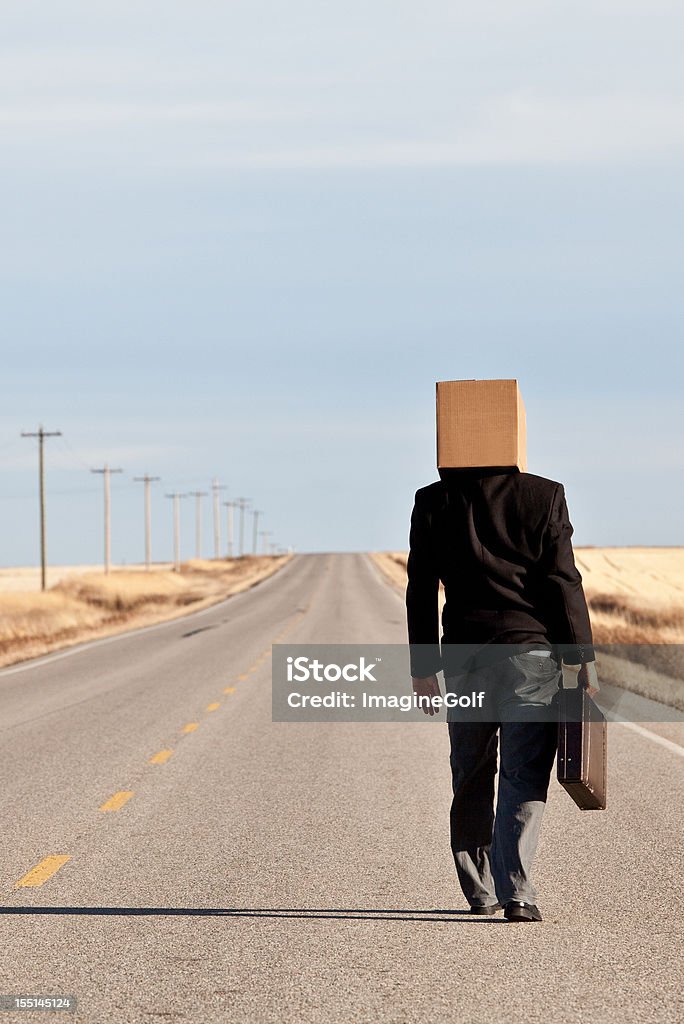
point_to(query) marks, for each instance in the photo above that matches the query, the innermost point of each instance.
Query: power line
(75, 455)
(9, 444)
(53, 493)
(41, 435)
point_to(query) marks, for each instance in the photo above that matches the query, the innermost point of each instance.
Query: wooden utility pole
(265, 534)
(230, 505)
(242, 504)
(215, 488)
(176, 528)
(147, 480)
(106, 472)
(41, 435)
(255, 523)
(198, 495)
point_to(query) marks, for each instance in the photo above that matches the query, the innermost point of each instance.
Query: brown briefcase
(582, 749)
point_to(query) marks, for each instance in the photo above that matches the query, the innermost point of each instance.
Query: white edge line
(48, 658)
(668, 744)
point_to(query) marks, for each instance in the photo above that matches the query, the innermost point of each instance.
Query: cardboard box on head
(480, 423)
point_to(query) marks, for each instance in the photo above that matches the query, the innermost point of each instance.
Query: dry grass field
(27, 578)
(635, 595)
(85, 605)
(636, 602)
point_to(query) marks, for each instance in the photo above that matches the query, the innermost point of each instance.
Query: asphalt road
(267, 872)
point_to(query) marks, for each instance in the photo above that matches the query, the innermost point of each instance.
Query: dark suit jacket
(499, 540)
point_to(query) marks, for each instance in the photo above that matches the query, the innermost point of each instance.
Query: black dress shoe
(516, 910)
(486, 911)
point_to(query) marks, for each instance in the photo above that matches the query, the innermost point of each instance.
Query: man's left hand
(588, 678)
(427, 686)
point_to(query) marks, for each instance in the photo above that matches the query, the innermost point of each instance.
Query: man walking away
(499, 539)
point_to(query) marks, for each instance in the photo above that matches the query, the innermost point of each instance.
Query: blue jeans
(493, 852)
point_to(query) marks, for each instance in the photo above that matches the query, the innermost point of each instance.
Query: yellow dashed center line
(50, 865)
(290, 625)
(161, 757)
(46, 869)
(117, 801)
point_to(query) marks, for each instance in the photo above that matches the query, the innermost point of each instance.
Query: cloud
(92, 114)
(511, 128)
(515, 128)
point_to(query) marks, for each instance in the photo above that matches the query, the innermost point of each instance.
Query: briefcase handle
(571, 674)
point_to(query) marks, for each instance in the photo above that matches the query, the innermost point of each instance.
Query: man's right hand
(426, 686)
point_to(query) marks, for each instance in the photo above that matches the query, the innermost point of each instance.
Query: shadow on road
(327, 914)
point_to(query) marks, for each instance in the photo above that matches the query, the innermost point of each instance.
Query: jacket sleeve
(422, 593)
(570, 623)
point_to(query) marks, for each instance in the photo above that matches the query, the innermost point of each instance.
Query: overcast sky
(243, 240)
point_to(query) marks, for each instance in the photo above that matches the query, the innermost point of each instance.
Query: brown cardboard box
(480, 423)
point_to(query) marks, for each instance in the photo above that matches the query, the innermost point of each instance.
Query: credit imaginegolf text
(405, 702)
